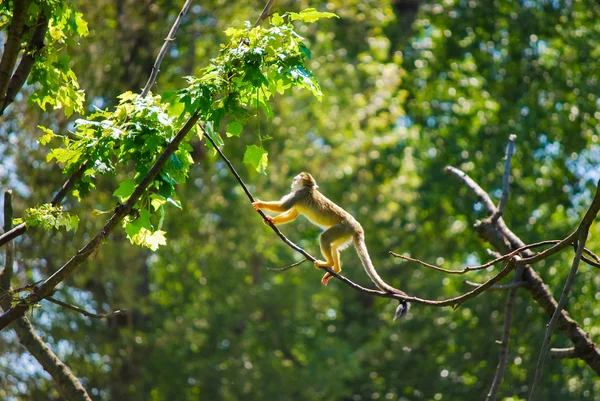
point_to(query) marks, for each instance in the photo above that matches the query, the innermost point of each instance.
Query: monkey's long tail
(363, 254)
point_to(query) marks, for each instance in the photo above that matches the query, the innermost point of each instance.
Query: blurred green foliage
(407, 89)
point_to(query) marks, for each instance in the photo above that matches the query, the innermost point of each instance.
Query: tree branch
(36, 43)
(83, 311)
(499, 287)
(56, 200)
(164, 48)
(510, 151)
(503, 355)
(400, 296)
(467, 269)
(66, 187)
(121, 211)
(512, 292)
(7, 272)
(563, 353)
(265, 12)
(280, 269)
(505, 241)
(12, 47)
(68, 385)
(582, 235)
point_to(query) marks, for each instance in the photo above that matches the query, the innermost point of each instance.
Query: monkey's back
(324, 213)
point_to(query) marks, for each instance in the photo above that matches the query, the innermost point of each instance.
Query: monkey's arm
(274, 206)
(285, 217)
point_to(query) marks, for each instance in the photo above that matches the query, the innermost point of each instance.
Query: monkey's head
(303, 180)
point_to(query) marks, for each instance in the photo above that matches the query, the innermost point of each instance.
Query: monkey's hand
(268, 220)
(257, 205)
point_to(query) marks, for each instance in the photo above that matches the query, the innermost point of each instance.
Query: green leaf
(157, 201)
(256, 157)
(67, 156)
(154, 240)
(47, 137)
(125, 190)
(311, 15)
(305, 50)
(276, 19)
(234, 128)
(132, 228)
(74, 222)
(175, 162)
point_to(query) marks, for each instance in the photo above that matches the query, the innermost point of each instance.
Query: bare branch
(68, 385)
(563, 353)
(164, 48)
(36, 43)
(84, 312)
(582, 235)
(510, 151)
(265, 12)
(7, 272)
(467, 269)
(503, 355)
(12, 46)
(512, 291)
(505, 241)
(499, 287)
(280, 269)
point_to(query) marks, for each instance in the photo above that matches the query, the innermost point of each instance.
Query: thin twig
(510, 151)
(498, 287)
(582, 235)
(512, 292)
(83, 311)
(503, 355)
(164, 48)
(281, 269)
(467, 269)
(7, 272)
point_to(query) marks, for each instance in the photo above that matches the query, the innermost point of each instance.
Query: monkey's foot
(326, 278)
(256, 205)
(268, 220)
(321, 263)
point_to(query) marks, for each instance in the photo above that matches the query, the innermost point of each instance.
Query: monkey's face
(303, 180)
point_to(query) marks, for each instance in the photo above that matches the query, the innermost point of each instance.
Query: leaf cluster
(49, 217)
(255, 64)
(57, 84)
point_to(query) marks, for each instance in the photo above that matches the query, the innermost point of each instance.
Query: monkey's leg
(330, 240)
(336, 248)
